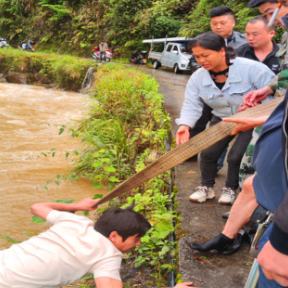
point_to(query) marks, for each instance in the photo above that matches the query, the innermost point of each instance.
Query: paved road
(200, 222)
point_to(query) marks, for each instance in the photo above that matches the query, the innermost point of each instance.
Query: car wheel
(156, 64)
(176, 69)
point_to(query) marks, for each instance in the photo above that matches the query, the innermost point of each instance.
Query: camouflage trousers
(246, 168)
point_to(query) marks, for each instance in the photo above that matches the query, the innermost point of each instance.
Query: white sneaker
(228, 196)
(202, 193)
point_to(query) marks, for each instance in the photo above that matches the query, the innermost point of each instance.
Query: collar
(230, 37)
(272, 53)
(233, 77)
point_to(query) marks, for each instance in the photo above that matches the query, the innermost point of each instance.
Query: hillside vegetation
(75, 26)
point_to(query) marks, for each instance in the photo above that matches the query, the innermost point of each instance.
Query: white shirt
(59, 256)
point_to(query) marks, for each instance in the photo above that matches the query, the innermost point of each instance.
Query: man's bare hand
(243, 107)
(43, 209)
(274, 264)
(254, 97)
(182, 134)
(246, 123)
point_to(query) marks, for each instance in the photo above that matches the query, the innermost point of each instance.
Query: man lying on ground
(73, 247)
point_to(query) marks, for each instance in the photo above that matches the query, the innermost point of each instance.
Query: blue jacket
(245, 75)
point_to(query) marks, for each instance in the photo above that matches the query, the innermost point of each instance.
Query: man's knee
(248, 187)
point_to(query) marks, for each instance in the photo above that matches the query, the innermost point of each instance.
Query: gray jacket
(245, 75)
(236, 39)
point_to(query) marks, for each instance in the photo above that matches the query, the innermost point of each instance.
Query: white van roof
(173, 39)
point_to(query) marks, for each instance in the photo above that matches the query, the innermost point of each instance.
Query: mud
(200, 222)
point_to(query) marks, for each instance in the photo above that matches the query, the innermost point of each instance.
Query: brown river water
(30, 119)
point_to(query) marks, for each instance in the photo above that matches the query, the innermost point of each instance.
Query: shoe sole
(200, 200)
(225, 203)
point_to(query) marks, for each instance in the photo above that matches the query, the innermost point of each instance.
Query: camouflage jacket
(280, 82)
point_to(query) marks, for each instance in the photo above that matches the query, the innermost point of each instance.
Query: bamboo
(192, 147)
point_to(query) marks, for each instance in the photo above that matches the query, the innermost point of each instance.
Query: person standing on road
(222, 22)
(221, 84)
(103, 48)
(260, 47)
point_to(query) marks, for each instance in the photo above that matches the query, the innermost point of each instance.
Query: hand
(274, 264)
(243, 107)
(245, 124)
(87, 204)
(182, 134)
(254, 97)
(184, 285)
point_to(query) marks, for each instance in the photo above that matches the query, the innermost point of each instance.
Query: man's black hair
(125, 222)
(221, 11)
(257, 3)
(264, 20)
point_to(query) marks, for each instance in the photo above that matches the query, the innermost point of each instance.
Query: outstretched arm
(43, 209)
(245, 124)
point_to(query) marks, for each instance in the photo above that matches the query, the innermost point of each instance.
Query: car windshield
(184, 49)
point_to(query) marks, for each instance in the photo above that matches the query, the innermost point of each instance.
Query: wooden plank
(192, 147)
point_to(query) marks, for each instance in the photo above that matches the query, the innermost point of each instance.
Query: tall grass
(125, 120)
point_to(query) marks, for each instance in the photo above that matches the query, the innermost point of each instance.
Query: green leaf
(58, 176)
(45, 187)
(110, 169)
(67, 201)
(61, 130)
(49, 181)
(37, 219)
(86, 213)
(44, 154)
(96, 164)
(97, 185)
(114, 179)
(57, 182)
(98, 196)
(106, 160)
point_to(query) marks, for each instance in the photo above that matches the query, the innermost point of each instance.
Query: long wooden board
(192, 147)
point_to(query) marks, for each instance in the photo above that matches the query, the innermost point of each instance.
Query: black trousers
(102, 56)
(202, 122)
(210, 156)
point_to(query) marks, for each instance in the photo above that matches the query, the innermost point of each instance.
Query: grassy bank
(124, 133)
(67, 71)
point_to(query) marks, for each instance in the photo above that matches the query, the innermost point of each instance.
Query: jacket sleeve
(279, 234)
(261, 77)
(193, 104)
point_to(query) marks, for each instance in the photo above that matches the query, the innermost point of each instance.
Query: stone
(42, 78)
(17, 78)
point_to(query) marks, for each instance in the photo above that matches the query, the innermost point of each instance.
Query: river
(30, 119)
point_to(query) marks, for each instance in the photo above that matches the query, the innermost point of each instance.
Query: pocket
(239, 89)
(209, 94)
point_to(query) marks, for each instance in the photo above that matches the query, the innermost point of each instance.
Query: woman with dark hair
(221, 83)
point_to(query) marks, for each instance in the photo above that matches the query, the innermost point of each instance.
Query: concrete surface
(200, 222)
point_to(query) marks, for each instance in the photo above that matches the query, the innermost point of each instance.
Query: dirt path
(200, 222)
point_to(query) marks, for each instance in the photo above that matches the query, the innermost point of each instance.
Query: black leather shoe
(225, 215)
(236, 243)
(220, 243)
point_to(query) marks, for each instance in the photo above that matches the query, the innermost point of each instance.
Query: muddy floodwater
(30, 119)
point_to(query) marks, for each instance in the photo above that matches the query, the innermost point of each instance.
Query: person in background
(221, 83)
(222, 22)
(260, 47)
(103, 48)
